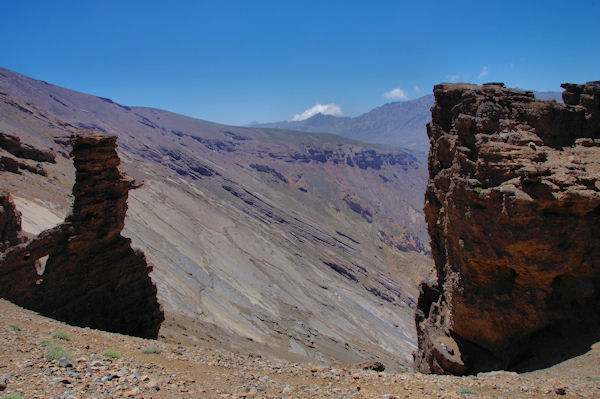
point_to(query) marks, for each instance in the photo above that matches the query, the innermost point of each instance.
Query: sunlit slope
(291, 243)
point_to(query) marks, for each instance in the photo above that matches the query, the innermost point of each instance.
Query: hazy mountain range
(400, 124)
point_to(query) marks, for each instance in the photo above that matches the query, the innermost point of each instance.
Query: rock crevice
(513, 210)
(83, 271)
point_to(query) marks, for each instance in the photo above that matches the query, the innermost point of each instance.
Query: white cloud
(484, 72)
(396, 94)
(417, 89)
(453, 78)
(325, 109)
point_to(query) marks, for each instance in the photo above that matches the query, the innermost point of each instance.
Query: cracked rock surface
(513, 210)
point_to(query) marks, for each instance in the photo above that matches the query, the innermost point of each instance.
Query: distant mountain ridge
(398, 124)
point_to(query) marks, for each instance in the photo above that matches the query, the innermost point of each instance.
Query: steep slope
(513, 209)
(291, 243)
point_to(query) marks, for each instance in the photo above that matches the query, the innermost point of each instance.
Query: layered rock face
(83, 271)
(10, 223)
(24, 154)
(513, 210)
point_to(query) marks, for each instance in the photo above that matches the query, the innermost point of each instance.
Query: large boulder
(513, 211)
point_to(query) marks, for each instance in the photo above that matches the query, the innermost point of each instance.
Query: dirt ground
(157, 369)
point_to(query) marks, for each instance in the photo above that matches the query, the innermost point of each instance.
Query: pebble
(153, 385)
(132, 392)
(287, 389)
(110, 377)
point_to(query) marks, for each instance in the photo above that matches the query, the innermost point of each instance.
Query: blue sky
(240, 61)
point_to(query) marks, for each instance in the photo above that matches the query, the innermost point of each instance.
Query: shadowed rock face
(83, 271)
(513, 210)
(10, 223)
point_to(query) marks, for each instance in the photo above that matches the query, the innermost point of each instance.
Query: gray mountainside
(297, 244)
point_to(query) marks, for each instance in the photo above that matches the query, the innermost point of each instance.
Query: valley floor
(26, 339)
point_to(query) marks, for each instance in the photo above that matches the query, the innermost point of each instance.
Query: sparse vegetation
(57, 352)
(14, 327)
(62, 335)
(45, 342)
(151, 350)
(466, 391)
(478, 190)
(113, 354)
(12, 396)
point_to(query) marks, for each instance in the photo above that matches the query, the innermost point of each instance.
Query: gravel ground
(43, 358)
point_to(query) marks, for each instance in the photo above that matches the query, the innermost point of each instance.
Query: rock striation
(13, 145)
(24, 154)
(84, 272)
(513, 210)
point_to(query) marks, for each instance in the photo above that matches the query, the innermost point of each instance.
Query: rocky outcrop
(359, 206)
(14, 145)
(24, 153)
(10, 223)
(404, 242)
(346, 155)
(83, 271)
(513, 210)
(269, 170)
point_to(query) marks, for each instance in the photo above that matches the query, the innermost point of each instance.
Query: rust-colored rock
(10, 223)
(13, 145)
(513, 210)
(25, 154)
(83, 271)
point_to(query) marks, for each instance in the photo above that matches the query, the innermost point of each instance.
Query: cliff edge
(83, 271)
(513, 210)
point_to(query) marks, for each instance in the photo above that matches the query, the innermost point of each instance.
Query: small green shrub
(45, 342)
(57, 352)
(62, 335)
(466, 391)
(112, 354)
(12, 396)
(15, 327)
(478, 190)
(151, 350)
